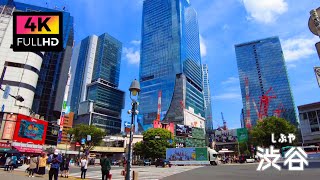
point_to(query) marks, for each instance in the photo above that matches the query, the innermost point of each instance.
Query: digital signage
(29, 129)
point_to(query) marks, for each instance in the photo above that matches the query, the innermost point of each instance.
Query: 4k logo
(37, 31)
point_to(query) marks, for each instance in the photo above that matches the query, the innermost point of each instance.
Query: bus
(312, 151)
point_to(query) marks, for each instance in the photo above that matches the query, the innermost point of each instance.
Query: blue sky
(222, 24)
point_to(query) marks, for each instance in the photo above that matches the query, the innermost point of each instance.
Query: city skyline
(250, 21)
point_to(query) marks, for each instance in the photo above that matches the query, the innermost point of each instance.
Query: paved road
(246, 172)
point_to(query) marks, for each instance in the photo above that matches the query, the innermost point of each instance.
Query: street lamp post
(134, 91)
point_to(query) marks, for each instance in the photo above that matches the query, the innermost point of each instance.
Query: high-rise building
(45, 86)
(82, 69)
(170, 63)
(262, 71)
(22, 68)
(207, 96)
(95, 96)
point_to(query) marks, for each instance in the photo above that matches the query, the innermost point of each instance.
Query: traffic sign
(88, 137)
(127, 124)
(83, 141)
(6, 92)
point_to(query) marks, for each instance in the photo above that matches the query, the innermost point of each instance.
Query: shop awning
(28, 149)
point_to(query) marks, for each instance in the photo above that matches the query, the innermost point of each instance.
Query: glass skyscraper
(262, 62)
(207, 96)
(170, 62)
(95, 97)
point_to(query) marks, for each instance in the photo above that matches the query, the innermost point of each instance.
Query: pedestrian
(84, 167)
(105, 167)
(7, 164)
(54, 160)
(33, 165)
(42, 164)
(62, 165)
(13, 163)
(28, 159)
(66, 167)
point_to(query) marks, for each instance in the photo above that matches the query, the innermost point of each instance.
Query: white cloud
(203, 47)
(265, 11)
(295, 49)
(227, 96)
(132, 55)
(230, 80)
(291, 66)
(135, 42)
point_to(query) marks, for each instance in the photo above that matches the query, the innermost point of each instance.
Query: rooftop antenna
(224, 122)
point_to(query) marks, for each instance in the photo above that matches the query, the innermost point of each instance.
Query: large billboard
(187, 154)
(230, 135)
(183, 130)
(192, 119)
(30, 130)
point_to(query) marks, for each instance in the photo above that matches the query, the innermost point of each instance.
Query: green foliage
(260, 135)
(247, 153)
(152, 147)
(81, 131)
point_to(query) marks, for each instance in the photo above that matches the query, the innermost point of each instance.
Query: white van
(213, 156)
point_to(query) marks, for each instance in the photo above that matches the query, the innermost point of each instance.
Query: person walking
(66, 167)
(54, 160)
(42, 164)
(84, 167)
(33, 165)
(7, 164)
(13, 163)
(62, 165)
(105, 167)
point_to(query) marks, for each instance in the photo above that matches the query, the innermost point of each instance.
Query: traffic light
(19, 98)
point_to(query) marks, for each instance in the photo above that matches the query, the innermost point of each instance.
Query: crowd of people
(53, 164)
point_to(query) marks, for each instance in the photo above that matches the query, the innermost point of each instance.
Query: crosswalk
(146, 173)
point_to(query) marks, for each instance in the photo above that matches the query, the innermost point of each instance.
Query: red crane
(248, 118)
(279, 110)
(264, 104)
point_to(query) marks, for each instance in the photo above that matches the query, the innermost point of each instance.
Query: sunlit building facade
(262, 62)
(170, 62)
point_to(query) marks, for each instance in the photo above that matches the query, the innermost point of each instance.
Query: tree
(154, 144)
(81, 131)
(261, 133)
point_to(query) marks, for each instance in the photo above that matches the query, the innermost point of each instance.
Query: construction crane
(279, 110)
(264, 104)
(224, 122)
(159, 105)
(248, 118)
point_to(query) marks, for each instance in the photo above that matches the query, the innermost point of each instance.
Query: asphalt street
(247, 172)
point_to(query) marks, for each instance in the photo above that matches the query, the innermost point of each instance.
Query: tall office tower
(95, 96)
(170, 63)
(207, 96)
(263, 73)
(82, 69)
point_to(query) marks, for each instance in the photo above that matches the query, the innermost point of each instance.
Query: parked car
(243, 159)
(162, 162)
(147, 162)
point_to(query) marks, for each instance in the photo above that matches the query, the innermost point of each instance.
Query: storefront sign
(9, 127)
(5, 145)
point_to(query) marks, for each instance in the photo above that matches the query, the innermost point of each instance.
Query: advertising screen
(10, 124)
(187, 154)
(30, 130)
(231, 135)
(183, 130)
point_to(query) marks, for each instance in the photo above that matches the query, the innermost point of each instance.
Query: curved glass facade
(170, 46)
(263, 63)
